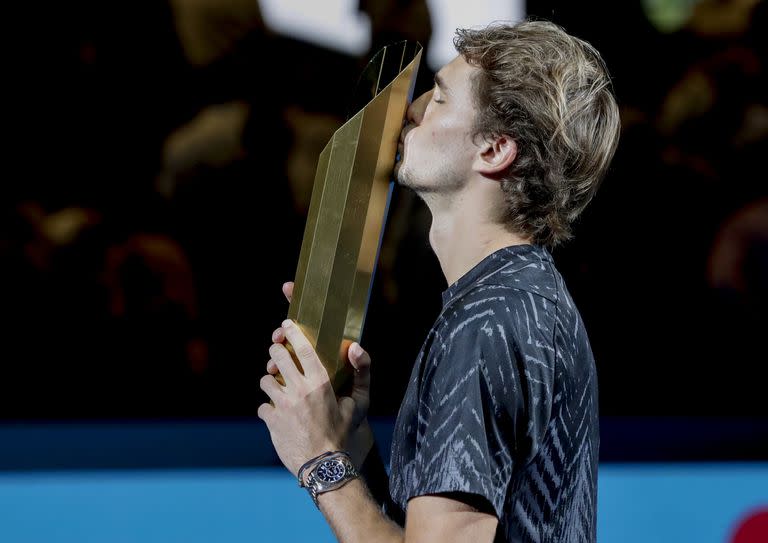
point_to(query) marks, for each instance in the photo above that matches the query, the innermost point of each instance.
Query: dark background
(159, 162)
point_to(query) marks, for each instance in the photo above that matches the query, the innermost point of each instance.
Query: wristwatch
(330, 473)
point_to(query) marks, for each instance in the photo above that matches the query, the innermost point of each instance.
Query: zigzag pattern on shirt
(503, 403)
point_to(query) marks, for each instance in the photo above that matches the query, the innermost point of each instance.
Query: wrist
(318, 454)
(330, 471)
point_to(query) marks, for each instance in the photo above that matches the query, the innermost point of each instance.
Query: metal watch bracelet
(330, 471)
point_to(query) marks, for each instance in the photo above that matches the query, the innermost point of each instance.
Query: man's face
(437, 148)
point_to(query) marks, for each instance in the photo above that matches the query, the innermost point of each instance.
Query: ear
(495, 155)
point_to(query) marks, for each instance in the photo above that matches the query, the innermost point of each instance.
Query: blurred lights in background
(334, 24)
(448, 15)
(702, 16)
(340, 25)
(669, 15)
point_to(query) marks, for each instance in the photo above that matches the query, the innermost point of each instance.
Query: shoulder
(499, 329)
(531, 270)
(487, 321)
(488, 307)
(481, 350)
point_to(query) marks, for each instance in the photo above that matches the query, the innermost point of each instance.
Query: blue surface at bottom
(657, 503)
(192, 506)
(701, 503)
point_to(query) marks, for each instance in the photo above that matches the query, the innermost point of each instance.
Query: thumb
(359, 358)
(361, 361)
(288, 290)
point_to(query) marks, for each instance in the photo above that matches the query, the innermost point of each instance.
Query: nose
(415, 112)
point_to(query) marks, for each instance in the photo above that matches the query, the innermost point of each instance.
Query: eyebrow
(440, 82)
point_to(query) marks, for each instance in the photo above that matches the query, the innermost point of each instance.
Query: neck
(463, 232)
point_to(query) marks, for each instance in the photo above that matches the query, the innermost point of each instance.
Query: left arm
(438, 518)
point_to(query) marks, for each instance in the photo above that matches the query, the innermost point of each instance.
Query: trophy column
(348, 211)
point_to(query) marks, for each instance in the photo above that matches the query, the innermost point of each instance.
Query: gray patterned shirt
(502, 403)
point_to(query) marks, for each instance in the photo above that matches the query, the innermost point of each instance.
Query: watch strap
(315, 486)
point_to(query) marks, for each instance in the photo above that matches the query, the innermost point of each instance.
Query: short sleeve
(469, 406)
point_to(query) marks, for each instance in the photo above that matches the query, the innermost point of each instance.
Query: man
(497, 437)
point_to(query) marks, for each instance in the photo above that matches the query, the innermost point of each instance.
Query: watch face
(331, 471)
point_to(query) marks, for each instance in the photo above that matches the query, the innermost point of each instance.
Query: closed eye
(440, 86)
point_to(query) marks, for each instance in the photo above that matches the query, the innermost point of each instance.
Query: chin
(406, 177)
(400, 174)
(402, 177)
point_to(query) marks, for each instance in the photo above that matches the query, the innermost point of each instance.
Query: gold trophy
(348, 209)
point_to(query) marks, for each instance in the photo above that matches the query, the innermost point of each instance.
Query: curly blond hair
(552, 94)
